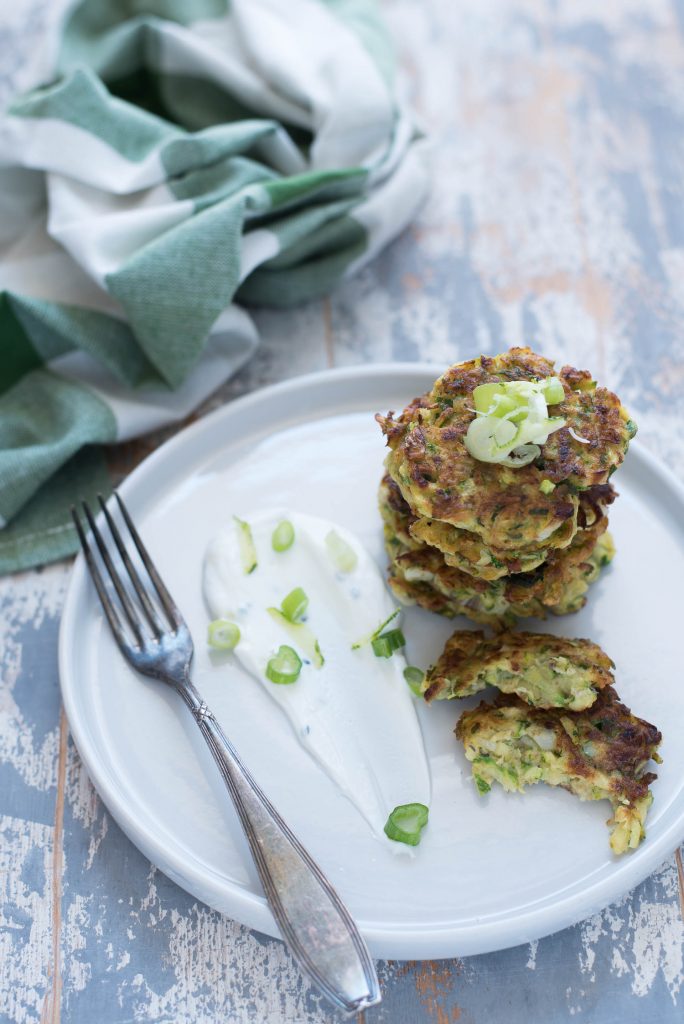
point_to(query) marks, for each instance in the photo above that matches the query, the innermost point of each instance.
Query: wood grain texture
(556, 217)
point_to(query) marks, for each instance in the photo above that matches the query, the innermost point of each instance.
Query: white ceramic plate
(490, 872)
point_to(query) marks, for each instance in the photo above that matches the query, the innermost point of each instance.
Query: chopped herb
(376, 632)
(386, 644)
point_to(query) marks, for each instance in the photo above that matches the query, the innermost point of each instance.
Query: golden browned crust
(420, 575)
(418, 578)
(470, 661)
(606, 738)
(467, 551)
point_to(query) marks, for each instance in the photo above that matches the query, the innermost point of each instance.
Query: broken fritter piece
(543, 670)
(598, 754)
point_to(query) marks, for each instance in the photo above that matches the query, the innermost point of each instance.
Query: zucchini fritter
(466, 550)
(420, 575)
(598, 754)
(416, 578)
(543, 670)
(504, 505)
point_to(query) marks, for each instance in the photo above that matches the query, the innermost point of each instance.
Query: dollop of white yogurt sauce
(355, 715)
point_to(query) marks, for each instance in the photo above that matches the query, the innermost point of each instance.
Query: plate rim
(401, 941)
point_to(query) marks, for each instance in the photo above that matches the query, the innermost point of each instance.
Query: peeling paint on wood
(556, 217)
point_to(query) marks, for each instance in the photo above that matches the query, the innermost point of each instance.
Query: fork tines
(140, 614)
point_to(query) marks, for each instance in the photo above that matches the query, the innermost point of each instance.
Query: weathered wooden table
(556, 217)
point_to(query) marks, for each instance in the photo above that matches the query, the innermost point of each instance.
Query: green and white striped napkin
(186, 157)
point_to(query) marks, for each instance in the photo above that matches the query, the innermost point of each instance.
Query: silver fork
(155, 640)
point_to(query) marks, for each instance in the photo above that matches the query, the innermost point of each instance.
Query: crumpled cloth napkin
(183, 159)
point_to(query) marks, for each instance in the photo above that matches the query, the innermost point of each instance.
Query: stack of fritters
(557, 719)
(491, 541)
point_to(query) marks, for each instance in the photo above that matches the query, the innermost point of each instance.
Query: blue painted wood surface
(556, 217)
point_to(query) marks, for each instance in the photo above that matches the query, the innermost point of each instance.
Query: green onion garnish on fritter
(406, 823)
(512, 421)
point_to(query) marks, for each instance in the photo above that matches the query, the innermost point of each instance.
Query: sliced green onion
(223, 635)
(294, 605)
(376, 632)
(505, 433)
(513, 409)
(342, 554)
(248, 552)
(302, 636)
(415, 678)
(487, 442)
(512, 421)
(485, 395)
(386, 644)
(498, 398)
(552, 390)
(283, 536)
(285, 666)
(485, 436)
(547, 486)
(406, 823)
(386, 622)
(539, 433)
(522, 456)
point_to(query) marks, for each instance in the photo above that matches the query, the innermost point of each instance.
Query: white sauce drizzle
(355, 715)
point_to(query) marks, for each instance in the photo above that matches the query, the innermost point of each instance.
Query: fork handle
(314, 922)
